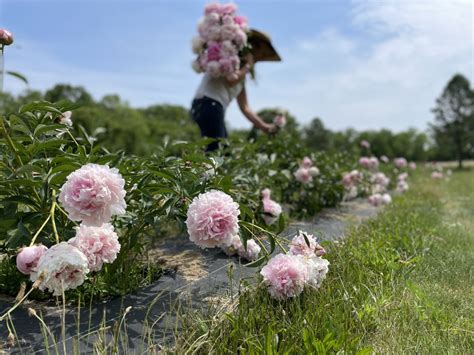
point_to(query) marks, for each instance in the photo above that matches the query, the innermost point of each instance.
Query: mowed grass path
(401, 283)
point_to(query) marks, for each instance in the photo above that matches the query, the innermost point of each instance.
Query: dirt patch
(188, 263)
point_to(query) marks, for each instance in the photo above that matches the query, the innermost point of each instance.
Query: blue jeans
(209, 115)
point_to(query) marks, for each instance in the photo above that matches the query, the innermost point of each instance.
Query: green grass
(401, 283)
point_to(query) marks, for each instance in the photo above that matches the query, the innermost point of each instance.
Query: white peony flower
(61, 266)
(316, 270)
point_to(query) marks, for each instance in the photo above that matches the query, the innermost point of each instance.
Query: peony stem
(254, 235)
(39, 230)
(271, 234)
(70, 135)
(7, 313)
(53, 207)
(63, 318)
(63, 212)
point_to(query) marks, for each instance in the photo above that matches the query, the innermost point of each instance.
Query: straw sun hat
(269, 54)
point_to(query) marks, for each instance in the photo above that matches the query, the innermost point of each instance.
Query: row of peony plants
(105, 216)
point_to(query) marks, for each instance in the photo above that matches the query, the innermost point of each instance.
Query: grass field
(401, 283)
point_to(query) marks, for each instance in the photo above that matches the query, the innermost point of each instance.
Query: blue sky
(364, 64)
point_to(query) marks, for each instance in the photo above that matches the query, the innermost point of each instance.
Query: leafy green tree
(454, 115)
(317, 136)
(75, 94)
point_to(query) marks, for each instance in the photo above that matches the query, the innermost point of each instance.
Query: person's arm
(238, 76)
(252, 116)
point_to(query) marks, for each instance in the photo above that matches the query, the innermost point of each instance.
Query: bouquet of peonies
(222, 37)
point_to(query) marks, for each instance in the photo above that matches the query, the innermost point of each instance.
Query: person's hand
(269, 128)
(249, 59)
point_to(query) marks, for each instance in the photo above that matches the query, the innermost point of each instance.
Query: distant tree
(317, 136)
(76, 94)
(112, 101)
(346, 140)
(454, 116)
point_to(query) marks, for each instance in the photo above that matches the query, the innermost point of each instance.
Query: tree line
(139, 131)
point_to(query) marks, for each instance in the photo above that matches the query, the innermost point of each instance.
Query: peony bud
(6, 37)
(28, 257)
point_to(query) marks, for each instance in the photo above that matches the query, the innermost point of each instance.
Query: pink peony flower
(365, 144)
(61, 266)
(227, 20)
(93, 194)
(228, 50)
(99, 244)
(228, 9)
(28, 257)
(436, 175)
(280, 120)
(375, 199)
(412, 165)
(214, 51)
(212, 8)
(284, 275)
(212, 219)
(271, 209)
(400, 162)
(365, 162)
(307, 163)
(303, 175)
(373, 163)
(242, 22)
(240, 38)
(380, 179)
(351, 178)
(6, 37)
(269, 206)
(298, 245)
(347, 180)
(213, 33)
